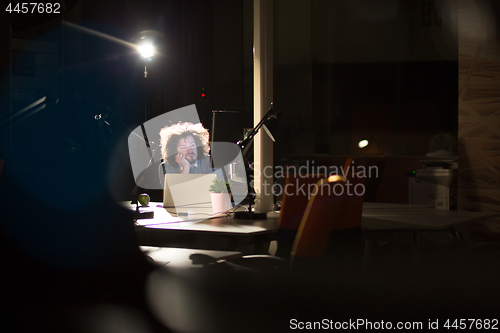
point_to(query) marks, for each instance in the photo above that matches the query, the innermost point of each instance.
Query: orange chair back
(337, 204)
(347, 165)
(295, 198)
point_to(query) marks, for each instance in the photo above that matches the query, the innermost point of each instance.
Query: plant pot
(221, 202)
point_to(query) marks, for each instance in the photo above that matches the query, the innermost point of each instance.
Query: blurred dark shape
(66, 246)
(442, 144)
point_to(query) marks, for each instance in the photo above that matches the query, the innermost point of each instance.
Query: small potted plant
(221, 200)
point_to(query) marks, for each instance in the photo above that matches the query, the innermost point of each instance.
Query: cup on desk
(221, 202)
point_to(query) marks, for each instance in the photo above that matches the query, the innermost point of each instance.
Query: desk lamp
(270, 123)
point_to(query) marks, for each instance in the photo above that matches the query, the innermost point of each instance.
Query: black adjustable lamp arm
(243, 143)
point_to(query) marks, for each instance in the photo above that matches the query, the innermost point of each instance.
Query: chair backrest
(347, 164)
(337, 204)
(296, 194)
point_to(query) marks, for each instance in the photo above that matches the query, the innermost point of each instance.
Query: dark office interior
(414, 79)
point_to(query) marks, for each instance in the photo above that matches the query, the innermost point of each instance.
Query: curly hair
(171, 135)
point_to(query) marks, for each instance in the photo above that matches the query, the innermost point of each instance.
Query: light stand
(270, 117)
(146, 49)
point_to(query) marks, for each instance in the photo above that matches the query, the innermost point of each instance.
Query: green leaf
(220, 186)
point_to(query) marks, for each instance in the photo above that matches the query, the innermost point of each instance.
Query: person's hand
(183, 162)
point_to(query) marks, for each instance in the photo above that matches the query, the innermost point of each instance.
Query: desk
(381, 220)
(180, 258)
(386, 216)
(165, 230)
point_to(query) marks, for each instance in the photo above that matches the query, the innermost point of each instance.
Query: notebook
(188, 193)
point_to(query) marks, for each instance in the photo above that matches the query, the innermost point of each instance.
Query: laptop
(188, 193)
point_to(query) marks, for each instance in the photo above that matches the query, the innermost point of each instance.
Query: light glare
(146, 50)
(363, 143)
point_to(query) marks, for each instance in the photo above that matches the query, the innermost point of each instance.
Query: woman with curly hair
(185, 148)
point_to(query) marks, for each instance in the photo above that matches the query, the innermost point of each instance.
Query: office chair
(331, 225)
(348, 164)
(293, 206)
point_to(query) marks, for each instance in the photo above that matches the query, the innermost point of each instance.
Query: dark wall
(340, 74)
(381, 71)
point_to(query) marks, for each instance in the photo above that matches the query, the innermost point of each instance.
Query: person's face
(187, 146)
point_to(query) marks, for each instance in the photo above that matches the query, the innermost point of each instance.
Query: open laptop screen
(184, 192)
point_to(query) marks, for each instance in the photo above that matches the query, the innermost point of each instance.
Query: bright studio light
(146, 50)
(363, 143)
